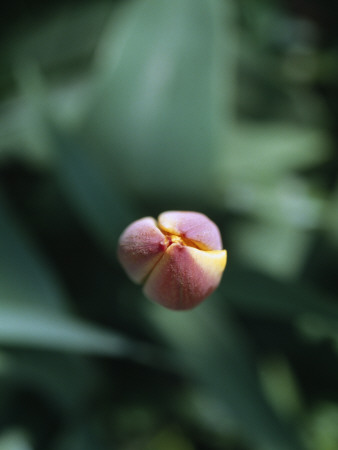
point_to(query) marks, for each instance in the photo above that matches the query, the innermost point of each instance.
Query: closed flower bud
(178, 259)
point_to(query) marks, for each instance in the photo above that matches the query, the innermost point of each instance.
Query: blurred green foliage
(113, 111)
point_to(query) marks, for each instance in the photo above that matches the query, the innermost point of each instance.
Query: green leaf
(263, 151)
(68, 35)
(330, 216)
(82, 437)
(29, 326)
(25, 276)
(33, 308)
(91, 190)
(157, 110)
(213, 352)
(66, 380)
(313, 312)
(267, 247)
(15, 439)
(263, 295)
(24, 132)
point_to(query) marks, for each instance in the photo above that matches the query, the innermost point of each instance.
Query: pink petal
(194, 226)
(140, 247)
(185, 276)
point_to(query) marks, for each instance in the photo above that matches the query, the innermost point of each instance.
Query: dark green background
(113, 111)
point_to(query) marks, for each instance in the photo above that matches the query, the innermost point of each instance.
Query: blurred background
(114, 110)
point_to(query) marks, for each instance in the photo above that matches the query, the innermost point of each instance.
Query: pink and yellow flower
(178, 259)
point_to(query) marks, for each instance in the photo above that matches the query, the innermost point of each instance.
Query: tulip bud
(178, 259)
